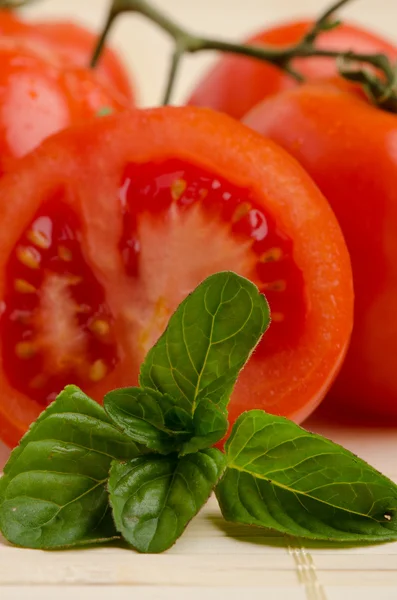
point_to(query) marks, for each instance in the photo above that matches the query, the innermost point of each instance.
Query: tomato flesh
(56, 322)
(176, 210)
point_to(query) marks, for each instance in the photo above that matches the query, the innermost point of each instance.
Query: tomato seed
(24, 287)
(39, 239)
(272, 255)
(29, 257)
(177, 189)
(65, 254)
(98, 370)
(73, 279)
(275, 286)
(38, 382)
(99, 327)
(25, 350)
(241, 211)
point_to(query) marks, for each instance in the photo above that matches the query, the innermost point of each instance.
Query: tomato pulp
(349, 148)
(107, 227)
(237, 83)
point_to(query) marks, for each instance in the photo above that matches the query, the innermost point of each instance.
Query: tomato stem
(102, 39)
(174, 67)
(382, 89)
(324, 22)
(14, 4)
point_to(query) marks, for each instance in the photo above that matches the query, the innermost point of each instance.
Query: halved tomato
(107, 227)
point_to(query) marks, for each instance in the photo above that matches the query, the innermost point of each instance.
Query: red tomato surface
(74, 44)
(107, 227)
(237, 83)
(350, 149)
(40, 96)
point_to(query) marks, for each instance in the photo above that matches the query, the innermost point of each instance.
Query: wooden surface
(215, 559)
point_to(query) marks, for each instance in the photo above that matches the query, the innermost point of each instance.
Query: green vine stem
(381, 87)
(15, 4)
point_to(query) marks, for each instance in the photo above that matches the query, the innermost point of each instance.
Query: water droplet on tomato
(259, 225)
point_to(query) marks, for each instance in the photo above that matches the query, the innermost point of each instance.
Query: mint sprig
(53, 491)
(143, 466)
(153, 498)
(197, 360)
(149, 418)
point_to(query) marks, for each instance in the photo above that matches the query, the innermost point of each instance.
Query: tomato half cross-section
(105, 229)
(236, 83)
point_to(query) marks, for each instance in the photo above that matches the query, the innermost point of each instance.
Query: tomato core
(181, 223)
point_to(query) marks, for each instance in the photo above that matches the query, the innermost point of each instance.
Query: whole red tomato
(107, 227)
(39, 96)
(72, 43)
(237, 83)
(349, 147)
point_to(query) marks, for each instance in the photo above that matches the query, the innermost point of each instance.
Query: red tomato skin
(236, 84)
(293, 380)
(349, 148)
(39, 97)
(74, 45)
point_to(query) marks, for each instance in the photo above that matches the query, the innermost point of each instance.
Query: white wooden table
(213, 560)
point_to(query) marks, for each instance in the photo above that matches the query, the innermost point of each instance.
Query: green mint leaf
(149, 418)
(210, 424)
(280, 476)
(154, 497)
(53, 491)
(210, 420)
(207, 342)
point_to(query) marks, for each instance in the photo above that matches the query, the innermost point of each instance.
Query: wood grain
(219, 559)
(214, 560)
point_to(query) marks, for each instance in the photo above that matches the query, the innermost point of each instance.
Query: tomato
(74, 44)
(237, 83)
(349, 148)
(107, 227)
(40, 96)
